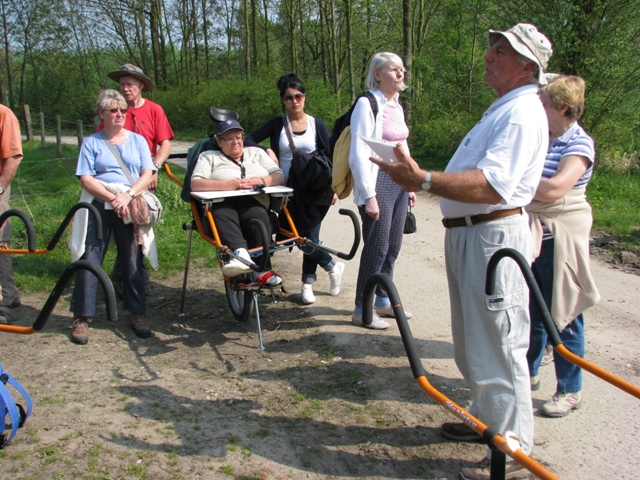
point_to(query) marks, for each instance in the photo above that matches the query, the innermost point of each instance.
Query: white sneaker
(561, 404)
(234, 268)
(387, 311)
(335, 276)
(307, 294)
(376, 323)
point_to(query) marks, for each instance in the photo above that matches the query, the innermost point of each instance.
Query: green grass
(46, 187)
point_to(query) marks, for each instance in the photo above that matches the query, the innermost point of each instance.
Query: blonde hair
(379, 61)
(567, 91)
(107, 97)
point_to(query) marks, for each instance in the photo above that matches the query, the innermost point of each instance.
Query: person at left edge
(10, 158)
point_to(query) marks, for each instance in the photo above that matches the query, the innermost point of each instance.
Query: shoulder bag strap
(288, 131)
(116, 154)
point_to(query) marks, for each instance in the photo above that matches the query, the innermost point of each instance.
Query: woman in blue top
(560, 218)
(308, 134)
(103, 180)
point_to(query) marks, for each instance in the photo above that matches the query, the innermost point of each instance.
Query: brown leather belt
(483, 217)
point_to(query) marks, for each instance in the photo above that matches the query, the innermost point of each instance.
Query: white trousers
(491, 333)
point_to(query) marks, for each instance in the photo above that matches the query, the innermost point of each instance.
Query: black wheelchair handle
(96, 215)
(31, 232)
(398, 310)
(58, 290)
(221, 115)
(490, 285)
(357, 234)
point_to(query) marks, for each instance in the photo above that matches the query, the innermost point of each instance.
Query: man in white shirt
(491, 177)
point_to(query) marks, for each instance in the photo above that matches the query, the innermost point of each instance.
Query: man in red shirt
(145, 118)
(10, 158)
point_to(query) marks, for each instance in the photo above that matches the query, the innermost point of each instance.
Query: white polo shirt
(508, 145)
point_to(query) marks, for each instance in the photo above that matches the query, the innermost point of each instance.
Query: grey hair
(107, 97)
(379, 61)
(533, 76)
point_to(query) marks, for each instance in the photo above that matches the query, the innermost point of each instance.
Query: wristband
(131, 192)
(265, 183)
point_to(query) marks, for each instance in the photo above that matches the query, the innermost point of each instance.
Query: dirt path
(326, 400)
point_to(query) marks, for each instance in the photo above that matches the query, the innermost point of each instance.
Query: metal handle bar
(31, 233)
(31, 237)
(69, 217)
(58, 289)
(549, 325)
(491, 438)
(305, 242)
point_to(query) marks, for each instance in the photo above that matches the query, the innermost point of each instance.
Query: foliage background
(229, 53)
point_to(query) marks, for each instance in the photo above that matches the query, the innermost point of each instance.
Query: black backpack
(345, 120)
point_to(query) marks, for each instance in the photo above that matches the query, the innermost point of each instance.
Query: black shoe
(460, 432)
(5, 317)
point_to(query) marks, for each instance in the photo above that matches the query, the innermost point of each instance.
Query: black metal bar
(552, 331)
(69, 217)
(58, 289)
(31, 232)
(357, 234)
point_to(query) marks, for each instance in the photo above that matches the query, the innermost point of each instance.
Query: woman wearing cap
(107, 187)
(237, 168)
(560, 219)
(381, 202)
(308, 134)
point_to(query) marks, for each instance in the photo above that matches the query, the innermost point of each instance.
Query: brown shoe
(80, 332)
(139, 324)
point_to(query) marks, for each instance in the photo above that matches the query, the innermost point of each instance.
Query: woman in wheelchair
(237, 168)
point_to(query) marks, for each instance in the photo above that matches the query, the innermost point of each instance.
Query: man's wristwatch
(157, 165)
(131, 192)
(426, 185)
(1, 190)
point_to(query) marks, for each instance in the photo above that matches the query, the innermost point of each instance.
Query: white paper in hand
(383, 148)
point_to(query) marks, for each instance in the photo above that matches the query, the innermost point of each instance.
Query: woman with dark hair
(306, 134)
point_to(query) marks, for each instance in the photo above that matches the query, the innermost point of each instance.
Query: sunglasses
(123, 111)
(297, 96)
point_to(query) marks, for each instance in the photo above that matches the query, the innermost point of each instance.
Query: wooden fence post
(80, 135)
(43, 138)
(58, 135)
(27, 121)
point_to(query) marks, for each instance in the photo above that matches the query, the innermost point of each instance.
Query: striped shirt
(574, 141)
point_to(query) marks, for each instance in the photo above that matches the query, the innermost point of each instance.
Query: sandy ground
(325, 400)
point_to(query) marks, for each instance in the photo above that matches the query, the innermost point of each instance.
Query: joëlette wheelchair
(242, 291)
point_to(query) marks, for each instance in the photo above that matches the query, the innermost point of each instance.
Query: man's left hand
(404, 171)
(154, 182)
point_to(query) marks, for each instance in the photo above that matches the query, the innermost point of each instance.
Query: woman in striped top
(560, 219)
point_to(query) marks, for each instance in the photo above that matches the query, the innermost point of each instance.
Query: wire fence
(46, 126)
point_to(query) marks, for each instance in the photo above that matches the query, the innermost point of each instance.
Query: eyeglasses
(297, 96)
(237, 138)
(123, 111)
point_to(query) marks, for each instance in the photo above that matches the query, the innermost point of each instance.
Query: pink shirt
(393, 127)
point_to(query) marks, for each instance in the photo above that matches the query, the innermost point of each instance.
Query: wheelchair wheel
(240, 301)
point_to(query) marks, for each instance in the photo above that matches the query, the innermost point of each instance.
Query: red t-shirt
(150, 121)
